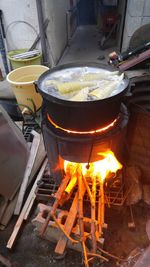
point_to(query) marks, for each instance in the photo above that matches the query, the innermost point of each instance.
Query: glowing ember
(101, 169)
(109, 126)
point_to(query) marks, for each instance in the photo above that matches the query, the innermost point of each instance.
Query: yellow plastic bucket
(18, 63)
(22, 83)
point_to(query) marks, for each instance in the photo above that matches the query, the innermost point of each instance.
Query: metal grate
(115, 195)
(27, 129)
(46, 188)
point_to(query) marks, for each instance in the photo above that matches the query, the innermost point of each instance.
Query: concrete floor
(31, 251)
(84, 46)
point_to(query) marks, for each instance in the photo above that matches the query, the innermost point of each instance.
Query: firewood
(71, 185)
(68, 224)
(80, 214)
(93, 215)
(63, 230)
(109, 254)
(102, 203)
(32, 156)
(99, 211)
(98, 256)
(25, 207)
(87, 188)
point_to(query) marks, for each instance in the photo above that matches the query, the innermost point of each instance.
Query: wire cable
(21, 21)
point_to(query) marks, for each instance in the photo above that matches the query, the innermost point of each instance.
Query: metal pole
(42, 32)
(2, 45)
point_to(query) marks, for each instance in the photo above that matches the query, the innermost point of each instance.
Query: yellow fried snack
(99, 76)
(81, 95)
(72, 86)
(68, 87)
(105, 92)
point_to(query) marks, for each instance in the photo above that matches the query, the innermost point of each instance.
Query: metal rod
(42, 32)
(38, 37)
(2, 47)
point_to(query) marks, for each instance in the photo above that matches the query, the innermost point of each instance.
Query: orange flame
(101, 169)
(109, 126)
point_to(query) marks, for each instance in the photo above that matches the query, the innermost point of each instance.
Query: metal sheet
(13, 156)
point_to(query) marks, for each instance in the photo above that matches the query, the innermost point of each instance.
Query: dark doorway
(86, 11)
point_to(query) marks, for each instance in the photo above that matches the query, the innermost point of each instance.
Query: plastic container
(17, 63)
(22, 83)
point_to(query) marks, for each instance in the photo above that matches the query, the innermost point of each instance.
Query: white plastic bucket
(22, 83)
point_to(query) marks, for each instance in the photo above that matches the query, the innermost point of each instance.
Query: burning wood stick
(101, 206)
(99, 211)
(102, 202)
(80, 214)
(71, 185)
(63, 230)
(98, 256)
(87, 188)
(93, 215)
(61, 245)
(70, 170)
(110, 255)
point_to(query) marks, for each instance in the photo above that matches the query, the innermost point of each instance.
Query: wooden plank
(32, 156)
(41, 154)
(30, 206)
(25, 207)
(61, 245)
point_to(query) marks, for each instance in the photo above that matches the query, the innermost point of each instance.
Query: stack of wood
(26, 208)
(36, 157)
(74, 186)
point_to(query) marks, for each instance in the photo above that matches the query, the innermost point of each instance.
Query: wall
(138, 14)
(19, 35)
(56, 10)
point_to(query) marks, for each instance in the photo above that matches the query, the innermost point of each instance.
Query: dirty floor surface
(31, 251)
(84, 47)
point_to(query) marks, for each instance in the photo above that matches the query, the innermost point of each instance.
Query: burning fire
(82, 178)
(101, 169)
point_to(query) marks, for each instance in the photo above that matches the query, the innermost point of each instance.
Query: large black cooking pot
(81, 116)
